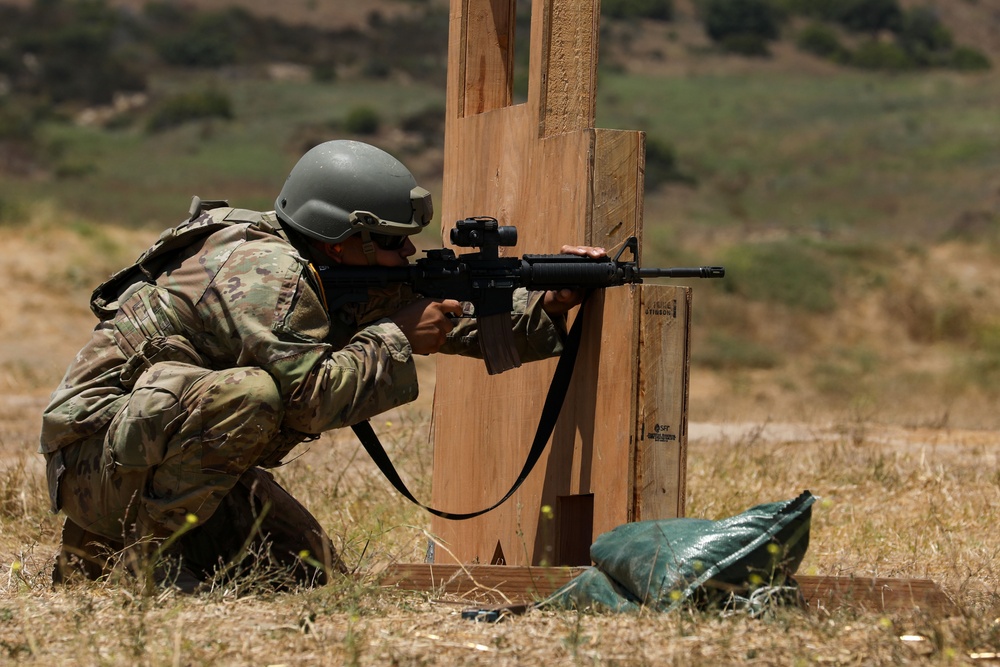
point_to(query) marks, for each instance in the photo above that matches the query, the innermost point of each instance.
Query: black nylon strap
(546, 424)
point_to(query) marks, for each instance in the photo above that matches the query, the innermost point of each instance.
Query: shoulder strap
(546, 424)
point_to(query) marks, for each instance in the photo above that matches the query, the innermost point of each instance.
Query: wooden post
(618, 451)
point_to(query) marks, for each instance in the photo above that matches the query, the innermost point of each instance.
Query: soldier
(215, 355)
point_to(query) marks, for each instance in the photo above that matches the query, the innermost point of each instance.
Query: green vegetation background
(827, 188)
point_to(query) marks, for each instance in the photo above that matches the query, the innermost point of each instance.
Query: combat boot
(155, 557)
(83, 554)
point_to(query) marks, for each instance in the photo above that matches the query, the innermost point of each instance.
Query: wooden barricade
(618, 451)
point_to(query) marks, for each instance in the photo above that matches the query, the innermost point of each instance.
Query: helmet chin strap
(368, 247)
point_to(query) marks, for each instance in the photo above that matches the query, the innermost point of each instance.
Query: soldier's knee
(262, 387)
(250, 392)
(243, 399)
(179, 402)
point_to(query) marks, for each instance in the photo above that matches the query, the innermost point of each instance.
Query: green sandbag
(663, 564)
(593, 589)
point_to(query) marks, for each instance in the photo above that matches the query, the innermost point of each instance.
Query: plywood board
(542, 167)
(663, 380)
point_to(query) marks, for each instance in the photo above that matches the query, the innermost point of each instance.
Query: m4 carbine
(487, 280)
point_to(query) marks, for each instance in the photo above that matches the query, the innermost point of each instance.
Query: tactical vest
(146, 328)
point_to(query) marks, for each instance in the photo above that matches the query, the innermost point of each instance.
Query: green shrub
(362, 120)
(882, 56)
(415, 44)
(980, 364)
(662, 166)
(729, 18)
(858, 15)
(427, 123)
(324, 73)
(186, 38)
(922, 40)
(745, 44)
(376, 68)
(870, 15)
(164, 13)
(180, 109)
(724, 352)
(821, 40)
(925, 38)
(968, 59)
(791, 273)
(206, 43)
(923, 28)
(72, 169)
(77, 62)
(662, 10)
(15, 122)
(21, 150)
(845, 373)
(11, 212)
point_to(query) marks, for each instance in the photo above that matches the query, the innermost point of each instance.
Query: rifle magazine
(496, 341)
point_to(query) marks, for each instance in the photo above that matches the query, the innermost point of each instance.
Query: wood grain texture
(485, 55)
(874, 594)
(663, 380)
(542, 167)
(568, 72)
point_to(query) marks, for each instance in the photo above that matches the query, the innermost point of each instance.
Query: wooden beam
(506, 583)
(876, 594)
(511, 584)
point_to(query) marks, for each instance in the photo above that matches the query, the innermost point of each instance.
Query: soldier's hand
(426, 323)
(560, 302)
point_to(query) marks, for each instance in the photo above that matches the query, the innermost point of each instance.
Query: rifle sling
(546, 423)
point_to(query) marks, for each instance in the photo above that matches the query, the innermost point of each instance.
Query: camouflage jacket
(226, 289)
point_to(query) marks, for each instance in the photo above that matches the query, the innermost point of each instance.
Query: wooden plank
(496, 582)
(664, 369)
(524, 584)
(485, 55)
(619, 158)
(874, 594)
(567, 86)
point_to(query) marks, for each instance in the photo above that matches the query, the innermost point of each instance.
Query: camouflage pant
(179, 447)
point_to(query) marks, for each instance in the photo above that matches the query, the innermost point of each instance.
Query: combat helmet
(342, 188)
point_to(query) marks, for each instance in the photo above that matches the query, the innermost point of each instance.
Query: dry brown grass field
(897, 500)
(908, 478)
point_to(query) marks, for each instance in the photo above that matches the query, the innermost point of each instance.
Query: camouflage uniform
(215, 355)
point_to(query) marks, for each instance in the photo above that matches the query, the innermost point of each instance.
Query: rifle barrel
(685, 272)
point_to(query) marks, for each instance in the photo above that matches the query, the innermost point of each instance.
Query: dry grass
(895, 502)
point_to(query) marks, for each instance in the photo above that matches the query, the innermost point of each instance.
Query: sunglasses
(389, 241)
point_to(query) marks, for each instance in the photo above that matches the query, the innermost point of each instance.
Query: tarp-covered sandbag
(666, 563)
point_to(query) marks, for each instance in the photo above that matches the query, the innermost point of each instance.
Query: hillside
(334, 15)
(678, 48)
(857, 211)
